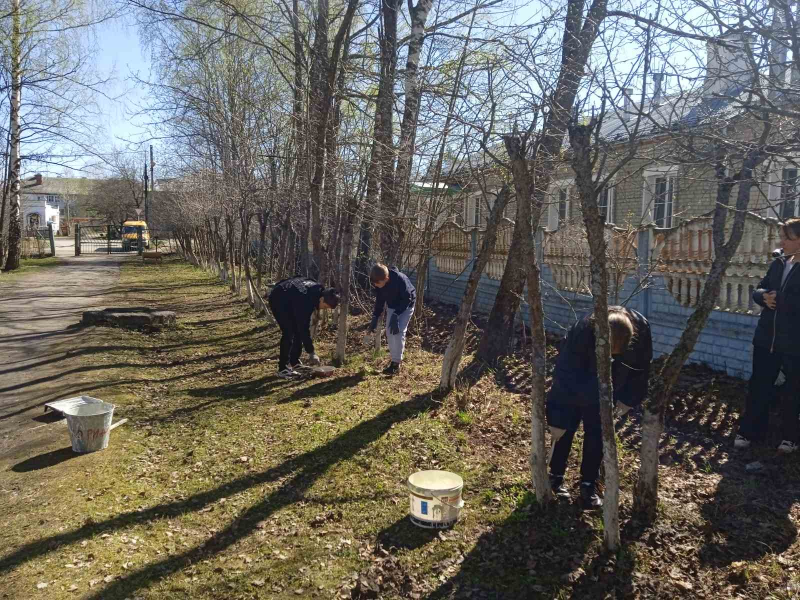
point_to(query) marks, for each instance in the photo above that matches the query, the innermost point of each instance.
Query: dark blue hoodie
(398, 294)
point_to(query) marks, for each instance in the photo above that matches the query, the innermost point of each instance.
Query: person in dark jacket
(395, 291)
(575, 395)
(292, 302)
(776, 344)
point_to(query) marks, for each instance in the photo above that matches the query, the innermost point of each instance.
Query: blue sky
(121, 57)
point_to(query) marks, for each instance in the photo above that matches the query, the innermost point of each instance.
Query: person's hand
(770, 299)
(394, 324)
(314, 360)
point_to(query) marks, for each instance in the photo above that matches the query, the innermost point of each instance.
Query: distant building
(52, 200)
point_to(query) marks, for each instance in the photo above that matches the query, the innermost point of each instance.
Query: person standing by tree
(292, 302)
(394, 290)
(775, 344)
(575, 396)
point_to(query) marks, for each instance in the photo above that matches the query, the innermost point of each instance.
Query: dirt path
(40, 344)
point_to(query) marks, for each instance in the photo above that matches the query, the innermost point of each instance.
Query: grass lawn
(230, 483)
(30, 265)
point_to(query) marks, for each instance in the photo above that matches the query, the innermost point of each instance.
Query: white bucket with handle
(435, 499)
(89, 425)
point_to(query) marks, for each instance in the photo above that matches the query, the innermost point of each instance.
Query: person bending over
(292, 302)
(395, 291)
(575, 397)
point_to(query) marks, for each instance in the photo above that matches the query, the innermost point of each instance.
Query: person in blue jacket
(775, 345)
(395, 291)
(575, 397)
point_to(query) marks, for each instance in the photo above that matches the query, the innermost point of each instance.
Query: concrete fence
(658, 272)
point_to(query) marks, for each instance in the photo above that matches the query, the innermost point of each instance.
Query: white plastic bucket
(89, 426)
(435, 498)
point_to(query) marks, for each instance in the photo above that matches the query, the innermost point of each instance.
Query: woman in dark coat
(575, 397)
(776, 343)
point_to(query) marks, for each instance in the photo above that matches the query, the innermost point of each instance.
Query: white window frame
(775, 196)
(554, 202)
(611, 191)
(472, 217)
(670, 172)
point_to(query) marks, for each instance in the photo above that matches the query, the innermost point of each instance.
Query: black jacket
(398, 294)
(779, 330)
(575, 376)
(293, 301)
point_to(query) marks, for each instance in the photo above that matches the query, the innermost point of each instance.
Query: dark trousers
(761, 388)
(568, 417)
(291, 344)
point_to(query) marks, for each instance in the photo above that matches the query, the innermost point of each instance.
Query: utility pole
(14, 226)
(146, 207)
(152, 179)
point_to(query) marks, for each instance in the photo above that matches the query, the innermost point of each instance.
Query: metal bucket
(89, 426)
(435, 499)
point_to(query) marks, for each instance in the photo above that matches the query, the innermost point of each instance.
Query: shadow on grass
(749, 515)
(43, 461)
(326, 387)
(530, 554)
(404, 535)
(298, 474)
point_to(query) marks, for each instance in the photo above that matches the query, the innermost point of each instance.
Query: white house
(50, 200)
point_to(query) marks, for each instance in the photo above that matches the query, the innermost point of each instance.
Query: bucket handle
(441, 499)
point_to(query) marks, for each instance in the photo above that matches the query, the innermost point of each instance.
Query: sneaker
(741, 442)
(298, 364)
(590, 499)
(288, 373)
(786, 447)
(392, 369)
(557, 485)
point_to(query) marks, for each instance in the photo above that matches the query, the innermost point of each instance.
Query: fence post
(108, 238)
(77, 239)
(538, 241)
(644, 270)
(139, 240)
(52, 237)
(473, 246)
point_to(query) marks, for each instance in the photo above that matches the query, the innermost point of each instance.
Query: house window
(472, 210)
(663, 197)
(605, 203)
(563, 206)
(788, 197)
(52, 200)
(558, 207)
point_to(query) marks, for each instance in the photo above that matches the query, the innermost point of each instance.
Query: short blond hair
(378, 273)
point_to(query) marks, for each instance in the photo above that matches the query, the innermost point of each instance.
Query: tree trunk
(496, 339)
(385, 136)
(529, 212)
(455, 349)
(578, 39)
(262, 240)
(646, 494)
(413, 92)
(324, 72)
(14, 216)
(372, 202)
(583, 165)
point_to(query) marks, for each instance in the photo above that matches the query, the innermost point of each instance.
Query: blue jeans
(397, 343)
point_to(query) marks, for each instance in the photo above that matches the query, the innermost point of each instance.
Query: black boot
(590, 499)
(557, 485)
(392, 369)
